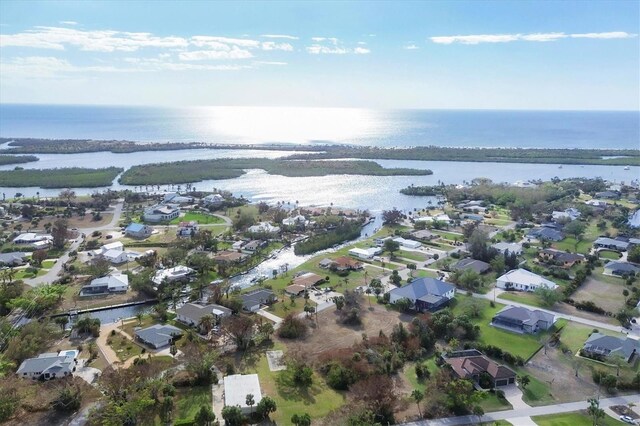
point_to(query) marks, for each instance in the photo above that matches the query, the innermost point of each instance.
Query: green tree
(69, 399)
(206, 323)
(418, 396)
(59, 232)
(232, 415)
(265, 407)
(525, 380)
(250, 400)
(547, 296)
(205, 417)
(634, 254)
(301, 419)
(594, 411)
(391, 246)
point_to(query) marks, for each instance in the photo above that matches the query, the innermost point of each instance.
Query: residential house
(472, 216)
(443, 218)
(523, 320)
(213, 200)
(187, 229)
(425, 294)
(253, 246)
(172, 274)
(161, 213)
(115, 253)
(560, 258)
(49, 366)
(473, 366)
(264, 228)
(230, 257)
(303, 282)
(621, 268)
(425, 235)
(611, 244)
(113, 283)
(15, 258)
(365, 254)
(158, 335)
(508, 247)
(471, 264)
(175, 198)
(521, 279)
(192, 313)
(236, 389)
(610, 346)
(411, 244)
(545, 233)
(597, 203)
(325, 263)
(237, 245)
(138, 230)
(252, 301)
(568, 214)
(298, 220)
(345, 263)
(36, 241)
(609, 195)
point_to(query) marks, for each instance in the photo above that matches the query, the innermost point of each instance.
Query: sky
(582, 55)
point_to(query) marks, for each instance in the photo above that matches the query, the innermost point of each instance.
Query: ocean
(259, 125)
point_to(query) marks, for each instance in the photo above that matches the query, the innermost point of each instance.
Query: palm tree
(250, 400)
(206, 324)
(418, 396)
(139, 317)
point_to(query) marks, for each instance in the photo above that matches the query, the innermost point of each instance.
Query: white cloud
(272, 45)
(535, 37)
(200, 55)
(68, 22)
(361, 51)
(362, 43)
(208, 41)
(610, 35)
(289, 37)
(317, 49)
(269, 63)
(411, 47)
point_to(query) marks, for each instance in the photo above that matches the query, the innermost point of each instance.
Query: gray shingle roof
(524, 315)
(421, 287)
(158, 333)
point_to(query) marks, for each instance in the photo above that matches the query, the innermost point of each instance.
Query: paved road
(526, 412)
(52, 274)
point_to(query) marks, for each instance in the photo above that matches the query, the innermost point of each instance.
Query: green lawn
(189, 401)
(409, 372)
(537, 392)
(609, 254)
(577, 418)
(449, 235)
(491, 402)
(201, 218)
(524, 345)
(422, 273)
(569, 244)
(498, 222)
(23, 274)
(318, 400)
(521, 297)
(48, 264)
(411, 255)
(284, 307)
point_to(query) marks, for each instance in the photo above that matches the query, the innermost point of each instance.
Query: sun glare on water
(292, 125)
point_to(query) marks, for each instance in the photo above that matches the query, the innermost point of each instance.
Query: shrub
(292, 327)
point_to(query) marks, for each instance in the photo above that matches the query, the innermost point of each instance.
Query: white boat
(626, 168)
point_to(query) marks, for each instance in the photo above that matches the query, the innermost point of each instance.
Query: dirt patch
(608, 296)
(328, 334)
(558, 371)
(87, 221)
(565, 308)
(276, 363)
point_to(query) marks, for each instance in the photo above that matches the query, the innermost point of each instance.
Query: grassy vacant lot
(604, 294)
(409, 372)
(411, 255)
(578, 418)
(524, 345)
(123, 347)
(521, 297)
(60, 178)
(189, 401)
(201, 218)
(283, 307)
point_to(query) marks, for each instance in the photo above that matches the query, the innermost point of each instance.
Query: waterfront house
(600, 345)
(411, 244)
(344, 263)
(213, 200)
(236, 389)
(521, 279)
(230, 257)
(365, 254)
(191, 313)
(161, 213)
(264, 228)
(471, 264)
(425, 294)
(253, 246)
(252, 301)
(138, 230)
(295, 221)
(476, 365)
(113, 283)
(49, 366)
(425, 235)
(158, 335)
(172, 274)
(443, 218)
(523, 320)
(175, 198)
(303, 282)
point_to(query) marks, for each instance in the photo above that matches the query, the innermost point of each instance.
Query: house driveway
(217, 395)
(513, 394)
(522, 421)
(88, 374)
(268, 315)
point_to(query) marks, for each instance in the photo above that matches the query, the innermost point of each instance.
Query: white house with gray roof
(523, 280)
(49, 365)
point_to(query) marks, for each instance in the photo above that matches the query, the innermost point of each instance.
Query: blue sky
(489, 55)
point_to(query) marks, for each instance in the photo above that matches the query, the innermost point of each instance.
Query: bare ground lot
(558, 371)
(329, 334)
(604, 294)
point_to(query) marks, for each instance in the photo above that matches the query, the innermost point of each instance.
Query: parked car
(628, 419)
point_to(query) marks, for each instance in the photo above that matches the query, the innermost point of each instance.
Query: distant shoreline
(580, 156)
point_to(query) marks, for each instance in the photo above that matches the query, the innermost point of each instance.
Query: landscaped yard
(491, 402)
(283, 307)
(123, 347)
(523, 345)
(48, 264)
(609, 254)
(578, 418)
